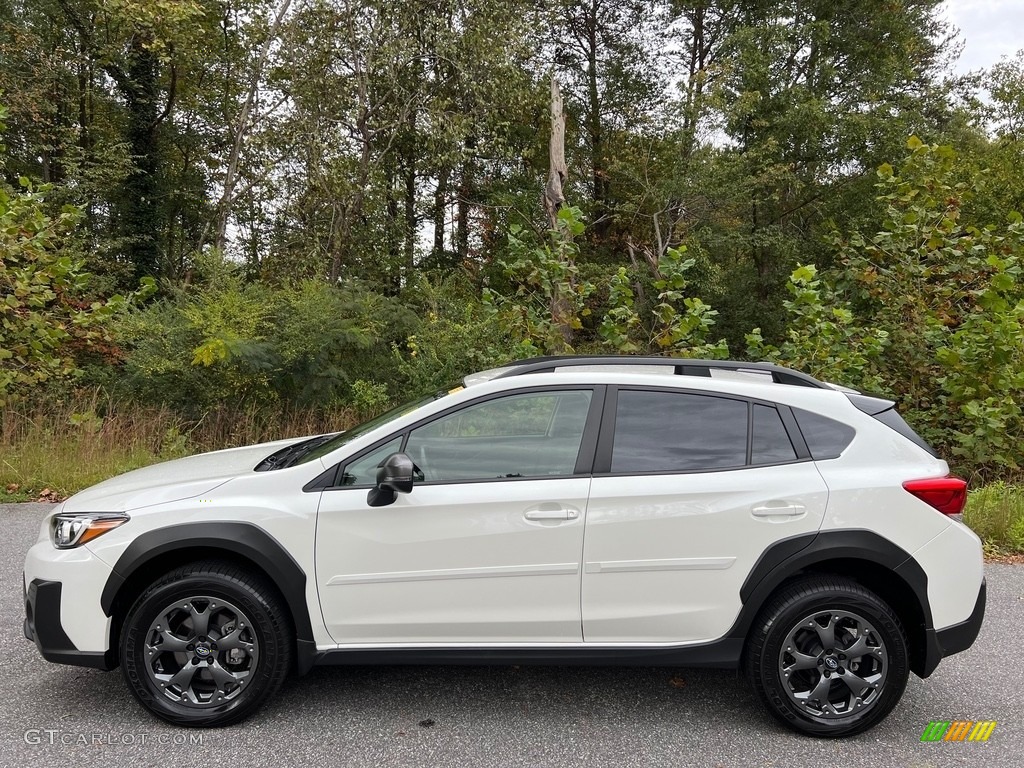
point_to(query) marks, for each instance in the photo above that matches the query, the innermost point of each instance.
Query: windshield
(336, 441)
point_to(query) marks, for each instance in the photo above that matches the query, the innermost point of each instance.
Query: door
(689, 490)
(487, 547)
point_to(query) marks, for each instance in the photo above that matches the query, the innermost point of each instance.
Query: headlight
(69, 531)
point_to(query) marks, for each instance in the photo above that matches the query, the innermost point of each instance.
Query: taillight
(946, 494)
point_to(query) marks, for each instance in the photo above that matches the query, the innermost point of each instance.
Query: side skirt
(722, 654)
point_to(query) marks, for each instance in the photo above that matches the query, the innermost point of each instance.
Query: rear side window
(770, 443)
(676, 432)
(826, 438)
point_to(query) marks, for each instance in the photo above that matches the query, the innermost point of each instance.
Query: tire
(798, 657)
(206, 645)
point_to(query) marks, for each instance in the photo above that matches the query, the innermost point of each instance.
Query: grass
(56, 449)
(996, 513)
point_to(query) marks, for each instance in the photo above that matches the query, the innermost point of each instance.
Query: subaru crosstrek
(554, 511)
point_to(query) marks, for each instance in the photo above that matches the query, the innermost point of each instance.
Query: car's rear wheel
(206, 644)
(828, 657)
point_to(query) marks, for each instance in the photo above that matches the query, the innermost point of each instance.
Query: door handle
(783, 510)
(551, 514)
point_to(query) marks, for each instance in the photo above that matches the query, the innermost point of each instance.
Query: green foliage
(677, 324)
(621, 320)
(996, 513)
(457, 334)
(38, 317)
(251, 342)
(368, 175)
(549, 299)
(982, 361)
(369, 397)
(44, 315)
(683, 323)
(824, 337)
(928, 309)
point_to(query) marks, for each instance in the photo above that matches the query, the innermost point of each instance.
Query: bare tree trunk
(599, 177)
(554, 199)
(462, 195)
(410, 216)
(439, 212)
(227, 197)
(558, 172)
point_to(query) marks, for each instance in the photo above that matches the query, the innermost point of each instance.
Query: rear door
(689, 490)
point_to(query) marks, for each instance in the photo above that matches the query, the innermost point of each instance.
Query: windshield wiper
(291, 454)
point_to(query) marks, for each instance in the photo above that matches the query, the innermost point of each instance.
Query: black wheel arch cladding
(788, 556)
(237, 538)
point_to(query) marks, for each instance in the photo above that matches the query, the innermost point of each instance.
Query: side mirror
(394, 475)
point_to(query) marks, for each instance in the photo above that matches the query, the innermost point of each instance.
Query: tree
(44, 318)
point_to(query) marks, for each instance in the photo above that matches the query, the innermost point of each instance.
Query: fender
(240, 538)
(788, 557)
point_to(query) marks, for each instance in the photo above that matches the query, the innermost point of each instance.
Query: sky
(990, 30)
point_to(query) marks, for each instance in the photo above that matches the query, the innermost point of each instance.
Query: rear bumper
(960, 637)
(956, 638)
(43, 626)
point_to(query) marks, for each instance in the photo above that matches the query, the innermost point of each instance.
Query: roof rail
(682, 367)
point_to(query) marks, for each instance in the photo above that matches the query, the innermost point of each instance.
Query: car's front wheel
(206, 644)
(828, 657)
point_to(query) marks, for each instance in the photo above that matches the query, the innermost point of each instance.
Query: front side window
(334, 442)
(363, 471)
(678, 432)
(535, 434)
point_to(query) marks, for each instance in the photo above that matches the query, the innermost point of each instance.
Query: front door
(487, 547)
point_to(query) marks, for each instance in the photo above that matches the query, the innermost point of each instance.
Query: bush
(928, 309)
(456, 335)
(232, 341)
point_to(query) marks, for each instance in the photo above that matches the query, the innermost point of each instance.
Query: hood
(172, 480)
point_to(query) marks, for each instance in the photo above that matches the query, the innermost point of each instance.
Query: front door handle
(782, 510)
(551, 514)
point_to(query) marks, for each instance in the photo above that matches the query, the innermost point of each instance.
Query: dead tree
(554, 200)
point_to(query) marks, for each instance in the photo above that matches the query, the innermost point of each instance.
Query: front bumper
(63, 615)
(43, 626)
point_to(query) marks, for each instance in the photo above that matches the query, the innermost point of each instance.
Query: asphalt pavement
(434, 717)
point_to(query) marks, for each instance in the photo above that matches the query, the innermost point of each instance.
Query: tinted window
(363, 471)
(771, 443)
(826, 438)
(529, 435)
(675, 432)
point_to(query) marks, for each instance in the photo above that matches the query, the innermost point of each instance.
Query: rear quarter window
(826, 438)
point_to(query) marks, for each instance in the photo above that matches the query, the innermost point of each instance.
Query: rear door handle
(551, 514)
(782, 510)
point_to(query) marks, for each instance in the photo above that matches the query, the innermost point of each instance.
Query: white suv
(554, 511)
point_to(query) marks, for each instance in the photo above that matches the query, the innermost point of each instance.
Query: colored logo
(958, 730)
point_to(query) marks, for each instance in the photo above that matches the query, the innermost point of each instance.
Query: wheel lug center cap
(831, 663)
(202, 650)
